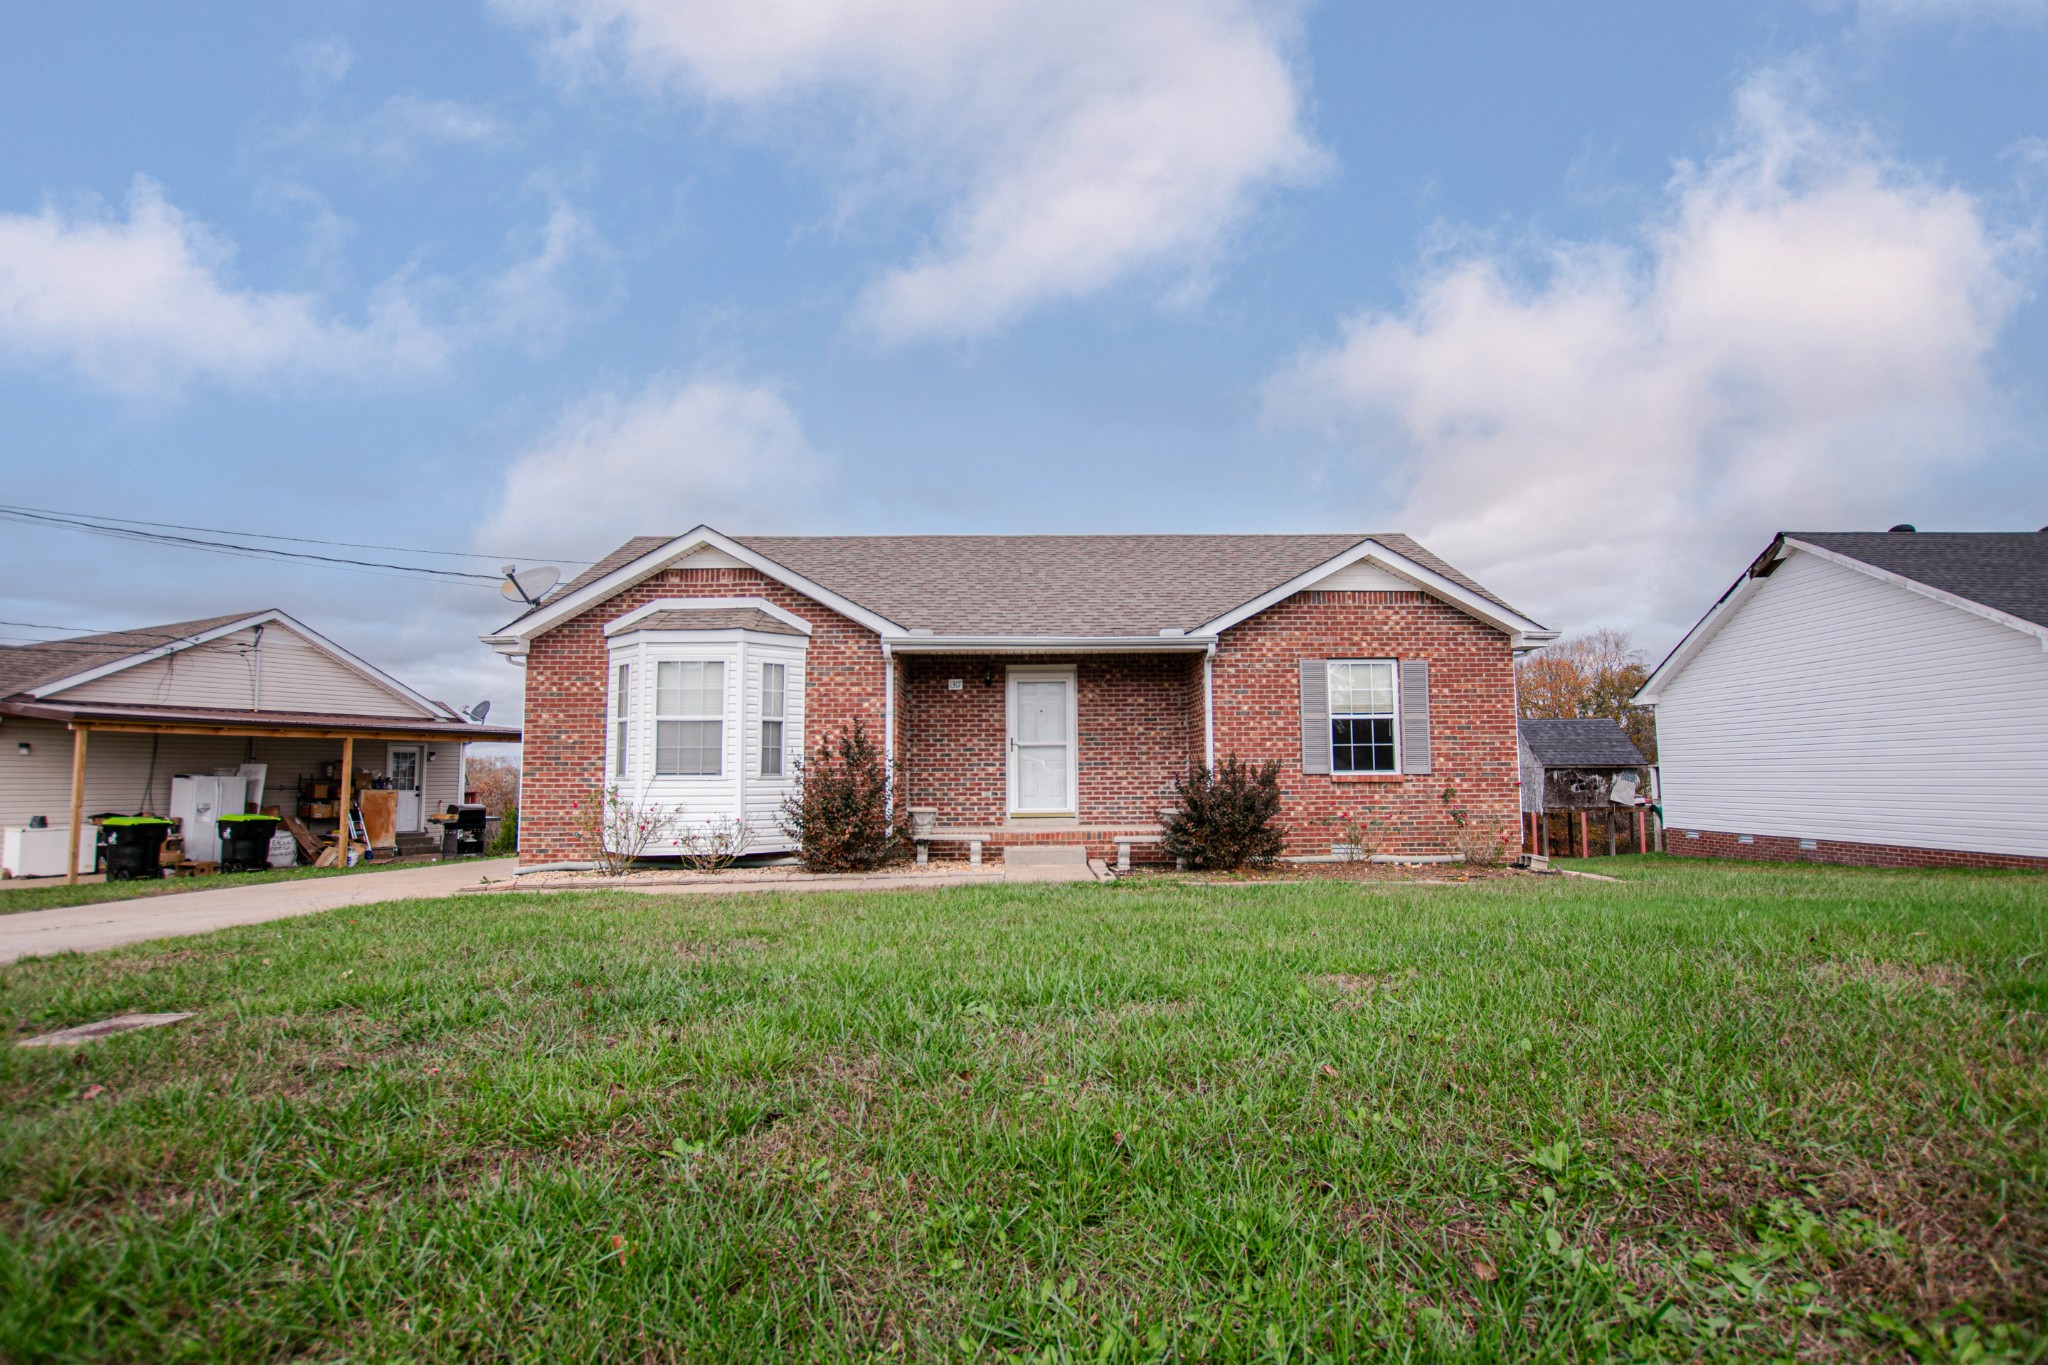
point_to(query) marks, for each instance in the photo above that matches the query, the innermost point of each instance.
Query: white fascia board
(1522, 631)
(1914, 585)
(1050, 644)
(262, 618)
(551, 614)
(782, 614)
(633, 639)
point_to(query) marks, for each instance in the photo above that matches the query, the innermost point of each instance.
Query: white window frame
(1393, 716)
(719, 717)
(780, 720)
(622, 721)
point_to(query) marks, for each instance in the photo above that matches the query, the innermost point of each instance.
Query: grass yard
(49, 893)
(1716, 1111)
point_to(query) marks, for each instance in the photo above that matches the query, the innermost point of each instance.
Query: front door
(1042, 741)
(404, 771)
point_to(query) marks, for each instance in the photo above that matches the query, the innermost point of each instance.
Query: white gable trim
(512, 639)
(262, 618)
(1522, 631)
(1696, 639)
(782, 614)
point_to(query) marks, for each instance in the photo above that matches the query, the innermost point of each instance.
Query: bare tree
(496, 783)
(1589, 675)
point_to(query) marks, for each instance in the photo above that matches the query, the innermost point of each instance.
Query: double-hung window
(689, 718)
(774, 688)
(1362, 717)
(622, 723)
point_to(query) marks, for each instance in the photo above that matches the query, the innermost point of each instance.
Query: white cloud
(1799, 340)
(398, 129)
(147, 304)
(678, 453)
(1069, 144)
(322, 63)
(1995, 11)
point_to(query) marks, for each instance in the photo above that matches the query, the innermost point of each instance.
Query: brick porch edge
(1776, 848)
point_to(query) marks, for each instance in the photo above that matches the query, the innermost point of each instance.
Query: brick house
(1028, 689)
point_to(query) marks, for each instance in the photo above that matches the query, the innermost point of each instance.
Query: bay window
(774, 688)
(689, 718)
(622, 723)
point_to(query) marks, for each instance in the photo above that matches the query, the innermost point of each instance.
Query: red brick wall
(1136, 734)
(563, 761)
(1776, 848)
(1472, 714)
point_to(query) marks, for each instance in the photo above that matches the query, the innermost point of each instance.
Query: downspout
(256, 648)
(1209, 705)
(889, 729)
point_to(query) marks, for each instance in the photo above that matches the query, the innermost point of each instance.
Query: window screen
(689, 718)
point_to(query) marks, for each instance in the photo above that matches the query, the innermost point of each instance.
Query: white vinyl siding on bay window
(1364, 729)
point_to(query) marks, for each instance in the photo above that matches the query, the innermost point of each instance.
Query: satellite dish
(478, 712)
(529, 585)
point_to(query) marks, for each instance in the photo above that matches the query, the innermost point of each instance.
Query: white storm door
(404, 770)
(1042, 747)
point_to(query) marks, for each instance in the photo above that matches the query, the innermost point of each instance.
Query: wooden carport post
(348, 769)
(78, 734)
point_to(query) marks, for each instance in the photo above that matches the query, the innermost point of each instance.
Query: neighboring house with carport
(1865, 697)
(99, 724)
(1575, 768)
(1026, 689)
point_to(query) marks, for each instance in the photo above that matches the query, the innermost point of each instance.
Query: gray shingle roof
(27, 666)
(717, 618)
(1594, 743)
(1049, 585)
(2004, 570)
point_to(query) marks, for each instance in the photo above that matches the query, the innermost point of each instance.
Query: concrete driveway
(112, 924)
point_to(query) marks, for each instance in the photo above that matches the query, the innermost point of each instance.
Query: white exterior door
(1042, 742)
(403, 769)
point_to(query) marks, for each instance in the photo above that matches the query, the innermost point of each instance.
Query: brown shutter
(1315, 716)
(1414, 715)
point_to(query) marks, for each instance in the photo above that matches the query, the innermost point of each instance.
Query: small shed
(1574, 771)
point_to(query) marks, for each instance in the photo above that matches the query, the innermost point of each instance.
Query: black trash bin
(245, 842)
(134, 846)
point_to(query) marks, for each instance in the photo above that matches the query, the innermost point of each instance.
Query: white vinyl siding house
(1831, 703)
(690, 716)
(209, 696)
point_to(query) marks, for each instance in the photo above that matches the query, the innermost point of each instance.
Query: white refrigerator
(200, 799)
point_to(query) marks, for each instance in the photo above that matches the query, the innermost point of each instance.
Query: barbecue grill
(462, 831)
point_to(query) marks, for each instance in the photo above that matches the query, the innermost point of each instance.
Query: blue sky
(1592, 297)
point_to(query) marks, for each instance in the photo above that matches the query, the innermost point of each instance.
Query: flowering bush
(618, 829)
(707, 848)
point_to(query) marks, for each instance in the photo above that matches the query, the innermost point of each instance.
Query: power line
(264, 552)
(268, 535)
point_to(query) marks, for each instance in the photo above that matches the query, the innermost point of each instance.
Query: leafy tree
(1589, 675)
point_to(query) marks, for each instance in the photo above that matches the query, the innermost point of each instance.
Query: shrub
(506, 841)
(839, 813)
(1225, 819)
(715, 846)
(619, 829)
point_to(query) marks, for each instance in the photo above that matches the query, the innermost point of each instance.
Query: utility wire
(267, 535)
(246, 551)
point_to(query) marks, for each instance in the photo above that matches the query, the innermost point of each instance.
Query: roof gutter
(913, 642)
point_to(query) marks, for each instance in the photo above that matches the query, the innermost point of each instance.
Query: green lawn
(1715, 1111)
(49, 893)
